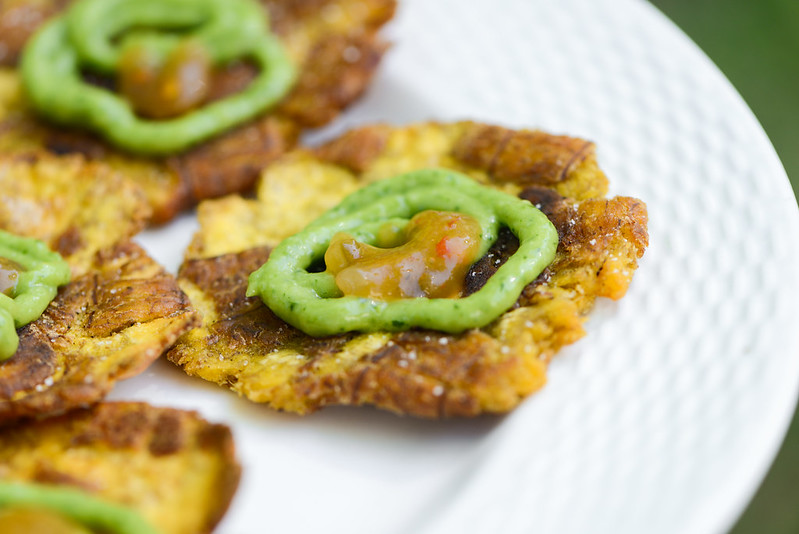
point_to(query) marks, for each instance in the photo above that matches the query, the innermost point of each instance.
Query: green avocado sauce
(96, 36)
(30, 274)
(312, 302)
(75, 509)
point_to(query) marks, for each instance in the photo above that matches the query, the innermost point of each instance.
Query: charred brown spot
(70, 241)
(336, 73)
(124, 430)
(233, 161)
(226, 278)
(356, 149)
(168, 436)
(481, 146)
(545, 199)
(211, 436)
(44, 473)
(503, 248)
(258, 328)
(422, 372)
(602, 220)
(62, 142)
(319, 347)
(559, 211)
(31, 365)
(286, 16)
(452, 361)
(521, 156)
(128, 302)
(123, 297)
(231, 79)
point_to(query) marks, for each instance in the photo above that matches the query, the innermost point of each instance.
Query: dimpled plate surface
(665, 417)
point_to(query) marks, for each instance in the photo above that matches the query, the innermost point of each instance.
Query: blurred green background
(756, 44)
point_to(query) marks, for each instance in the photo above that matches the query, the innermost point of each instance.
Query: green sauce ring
(36, 287)
(77, 505)
(313, 303)
(84, 36)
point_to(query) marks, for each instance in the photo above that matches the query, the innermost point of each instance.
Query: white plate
(666, 416)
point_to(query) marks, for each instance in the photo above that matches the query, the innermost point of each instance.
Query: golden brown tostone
(106, 325)
(176, 469)
(334, 42)
(244, 346)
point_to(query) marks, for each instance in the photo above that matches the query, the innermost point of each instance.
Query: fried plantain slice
(244, 346)
(177, 470)
(335, 43)
(106, 325)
